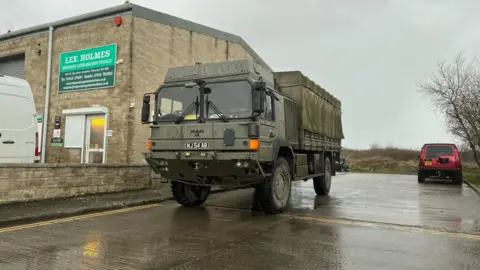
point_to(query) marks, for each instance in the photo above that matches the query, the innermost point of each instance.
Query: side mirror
(146, 109)
(258, 97)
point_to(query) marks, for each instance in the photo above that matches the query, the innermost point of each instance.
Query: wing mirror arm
(272, 93)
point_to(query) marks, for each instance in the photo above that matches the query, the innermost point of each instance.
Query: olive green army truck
(234, 124)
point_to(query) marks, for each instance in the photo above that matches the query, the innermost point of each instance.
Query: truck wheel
(421, 178)
(275, 191)
(458, 178)
(322, 184)
(189, 195)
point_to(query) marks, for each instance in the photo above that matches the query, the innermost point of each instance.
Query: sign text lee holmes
(88, 69)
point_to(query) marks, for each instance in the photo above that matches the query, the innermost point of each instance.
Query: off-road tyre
(457, 178)
(322, 184)
(274, 193)
(189, 195)
(421, 178)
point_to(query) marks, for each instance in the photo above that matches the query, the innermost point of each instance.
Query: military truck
(234, 124)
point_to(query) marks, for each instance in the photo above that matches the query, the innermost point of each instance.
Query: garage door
(13, 66)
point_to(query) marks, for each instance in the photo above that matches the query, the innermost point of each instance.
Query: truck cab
(224, 125)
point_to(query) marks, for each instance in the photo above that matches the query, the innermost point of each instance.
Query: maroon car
(441, 161)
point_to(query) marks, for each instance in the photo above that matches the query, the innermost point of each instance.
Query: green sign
(88, 69)
(40, 117)
(56, 142)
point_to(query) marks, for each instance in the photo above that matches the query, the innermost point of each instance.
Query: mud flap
(152, 165)
(156, 173)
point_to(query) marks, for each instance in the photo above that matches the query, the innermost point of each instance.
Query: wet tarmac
(367, 222)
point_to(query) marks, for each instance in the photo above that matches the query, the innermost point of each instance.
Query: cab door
(268, 133)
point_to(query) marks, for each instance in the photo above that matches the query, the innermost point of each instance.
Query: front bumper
(207, 167)
(440, 172)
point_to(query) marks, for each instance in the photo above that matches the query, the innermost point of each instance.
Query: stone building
(96, 68)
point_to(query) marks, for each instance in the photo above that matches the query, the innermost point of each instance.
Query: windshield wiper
(189, 110)
(216, 110)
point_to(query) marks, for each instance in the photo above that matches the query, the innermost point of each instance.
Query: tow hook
(200, 165)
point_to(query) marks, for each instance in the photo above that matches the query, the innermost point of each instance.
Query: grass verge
(393, 160)
(473, 178)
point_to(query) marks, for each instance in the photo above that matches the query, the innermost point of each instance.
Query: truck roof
(215, 70)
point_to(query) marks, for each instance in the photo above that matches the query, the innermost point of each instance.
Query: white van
(18, 125)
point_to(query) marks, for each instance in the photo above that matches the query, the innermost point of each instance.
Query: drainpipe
(47, 94)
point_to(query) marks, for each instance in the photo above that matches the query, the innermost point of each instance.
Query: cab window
(168, 106)
(268, 114)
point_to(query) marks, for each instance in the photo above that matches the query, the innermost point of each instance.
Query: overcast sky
(370, 53)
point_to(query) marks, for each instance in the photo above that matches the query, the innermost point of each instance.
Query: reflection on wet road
(367, 222)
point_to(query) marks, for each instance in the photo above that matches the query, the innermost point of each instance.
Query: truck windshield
(233, 99)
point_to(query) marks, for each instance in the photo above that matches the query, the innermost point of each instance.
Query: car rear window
(439, 150)
(16, 112)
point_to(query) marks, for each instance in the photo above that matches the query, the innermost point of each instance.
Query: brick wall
(93, 34)
(25, 182)
(156, 47)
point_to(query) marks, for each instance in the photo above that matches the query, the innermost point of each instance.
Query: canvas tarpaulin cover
(319, 111)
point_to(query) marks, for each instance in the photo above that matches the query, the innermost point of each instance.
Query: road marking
(306, 218)
(385, 226)
(76, 218)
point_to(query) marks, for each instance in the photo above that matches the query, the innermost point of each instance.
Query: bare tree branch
(455, 91)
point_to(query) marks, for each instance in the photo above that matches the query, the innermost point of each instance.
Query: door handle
(8, 142)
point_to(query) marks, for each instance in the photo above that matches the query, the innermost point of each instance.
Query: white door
(95, 139)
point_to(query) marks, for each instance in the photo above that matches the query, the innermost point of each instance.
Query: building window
(74, 131)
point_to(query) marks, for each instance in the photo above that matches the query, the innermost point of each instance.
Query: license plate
(196, 145)
(428, 163)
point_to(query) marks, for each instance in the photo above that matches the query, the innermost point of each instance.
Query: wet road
(367, 222)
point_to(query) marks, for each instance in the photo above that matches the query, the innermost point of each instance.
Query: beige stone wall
(46, 181)
(35, 65)
(85, 36)
(156, 47)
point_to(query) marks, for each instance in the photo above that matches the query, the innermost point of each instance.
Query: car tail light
(421, 163)
(458, 162)
(421, 160)
(36, 146)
